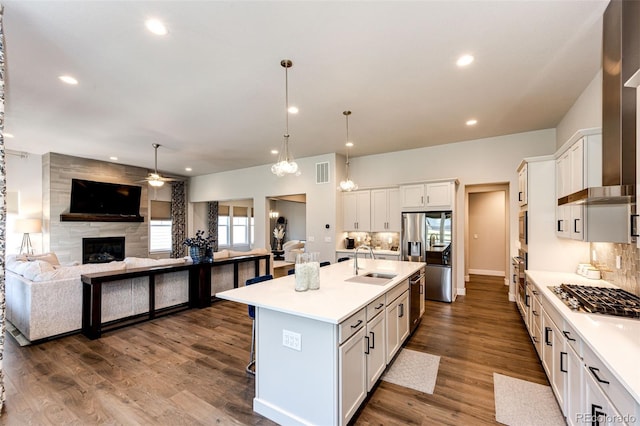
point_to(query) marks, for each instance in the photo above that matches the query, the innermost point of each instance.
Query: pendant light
(286, 165)
(347, 185)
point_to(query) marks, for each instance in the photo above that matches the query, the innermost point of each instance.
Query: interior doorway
(487, 230)
(288, 212)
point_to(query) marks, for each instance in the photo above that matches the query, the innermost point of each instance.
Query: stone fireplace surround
(65, 238)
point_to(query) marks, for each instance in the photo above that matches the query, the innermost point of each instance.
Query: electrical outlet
(292, 340)
(327, 239)
(618, 262)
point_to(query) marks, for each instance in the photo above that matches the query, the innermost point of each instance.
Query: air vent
(322, 172)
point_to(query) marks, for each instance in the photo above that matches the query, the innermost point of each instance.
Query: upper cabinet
(428, 196)
(579, 165)
(357, 210)
(385, 210)
(522, 184)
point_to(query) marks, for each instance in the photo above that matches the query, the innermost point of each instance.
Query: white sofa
(44, 298)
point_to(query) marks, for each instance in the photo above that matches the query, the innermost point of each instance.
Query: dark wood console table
(200, 276)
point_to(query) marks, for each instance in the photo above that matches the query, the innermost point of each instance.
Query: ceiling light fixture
(347, 185)
(464, 60)
(113, 158)
(472, 122)
(286, 165)
(156, 27)
(8, 135)
(68, 79)
(188, 169)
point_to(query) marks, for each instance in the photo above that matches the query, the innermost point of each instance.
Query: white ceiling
(211, 92)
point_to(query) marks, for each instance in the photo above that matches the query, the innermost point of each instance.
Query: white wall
(24, 175)
(258, 183)
(585, 113)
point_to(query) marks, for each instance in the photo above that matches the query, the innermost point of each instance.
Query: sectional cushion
(47, 257)
(36, 267)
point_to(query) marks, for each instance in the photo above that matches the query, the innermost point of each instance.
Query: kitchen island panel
(294, 384)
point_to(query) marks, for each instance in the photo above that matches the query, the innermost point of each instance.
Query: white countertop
(335, 301)
(391, 252)
(615, 340)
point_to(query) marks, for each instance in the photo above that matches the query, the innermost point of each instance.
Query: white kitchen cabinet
(554, 358)
(388, 256)
(576, 222)
(375, 344)
(353, 375)
(597, 410)
(412, 195)
(522, 185)
(439, 195)
(385, 210)
(397, 321)
(356, 210)
(574, 386)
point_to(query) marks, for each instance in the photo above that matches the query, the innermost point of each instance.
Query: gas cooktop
(600, 300)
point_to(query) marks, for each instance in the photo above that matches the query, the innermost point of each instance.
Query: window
(159, 235)
(240, 230)
(223, 226)
(160, 223)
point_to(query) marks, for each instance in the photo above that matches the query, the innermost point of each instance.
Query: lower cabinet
(574, 387)
(397, 324)
(353, 375)
(375, 345)
(597, 408)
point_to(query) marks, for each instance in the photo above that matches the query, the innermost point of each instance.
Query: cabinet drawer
(375, 307)
(612, 388)
(351, 325)
(395, 292)
(572, 338)
(536, 312)
(551, 311)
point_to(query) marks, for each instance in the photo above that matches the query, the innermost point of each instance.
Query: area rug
(415, 370)
(523, 403)
(15, 333)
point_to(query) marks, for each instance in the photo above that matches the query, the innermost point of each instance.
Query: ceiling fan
(155, 179)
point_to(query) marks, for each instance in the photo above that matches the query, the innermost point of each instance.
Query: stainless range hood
(620, 60)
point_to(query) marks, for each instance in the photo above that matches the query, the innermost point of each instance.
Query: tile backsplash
(377, 240)
(605, 259)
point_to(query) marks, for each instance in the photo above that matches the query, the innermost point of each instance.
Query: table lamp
(28, 226)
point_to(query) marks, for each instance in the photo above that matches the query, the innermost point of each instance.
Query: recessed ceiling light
(68, 79)
(156, 27)
(113, 158)
(274, 151)
(472, 122)
(349, 144)
(188, 169)
(293, 110)
(464, 60)
(8, 135)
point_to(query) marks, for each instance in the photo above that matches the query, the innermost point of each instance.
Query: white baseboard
(506, 281)
(512, 297)
(487, 272)
(461, 291)
(466, 278)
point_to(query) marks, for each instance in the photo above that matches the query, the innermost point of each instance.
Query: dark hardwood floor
(189, 369)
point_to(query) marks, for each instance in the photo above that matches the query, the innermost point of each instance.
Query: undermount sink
(439, 245)
(377, 278)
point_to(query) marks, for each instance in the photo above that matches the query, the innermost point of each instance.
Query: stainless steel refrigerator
(426, 237)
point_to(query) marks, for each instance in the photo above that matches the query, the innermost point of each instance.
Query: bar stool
(343, 259)
(291, 271)
(252, 315)
(326, 263)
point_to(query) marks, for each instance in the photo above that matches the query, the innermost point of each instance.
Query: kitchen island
(319, 352)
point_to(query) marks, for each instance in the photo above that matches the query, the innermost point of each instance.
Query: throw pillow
(35, 268)
(47, 257)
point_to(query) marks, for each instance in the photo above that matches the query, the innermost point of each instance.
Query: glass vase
(196, 253)
(307, 271)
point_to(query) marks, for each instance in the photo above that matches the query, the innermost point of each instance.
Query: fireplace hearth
(102, 250)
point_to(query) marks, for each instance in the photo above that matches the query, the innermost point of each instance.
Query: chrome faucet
(432, 239)
(355, 257)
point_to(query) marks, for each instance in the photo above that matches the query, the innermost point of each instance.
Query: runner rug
(523, 403)
(415, 370)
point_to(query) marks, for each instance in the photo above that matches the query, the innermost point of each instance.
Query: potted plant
(200, 248)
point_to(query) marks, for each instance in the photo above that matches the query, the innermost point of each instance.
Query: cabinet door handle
(401, 310)
(427, 199)
(559, 227)
(575, 226)
(597, 414)
(594, 371)
(535, 292)
(526, 300)
(421, 288)
(536, 313)
(634, 225)
(373, 340)
(379, 306)
(366, 351)
(520, 196)
(356, 325)
(547, 330)
(562, 357)
(514, 278)
(567, 334)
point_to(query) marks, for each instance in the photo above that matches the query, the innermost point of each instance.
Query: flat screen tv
(89, 197)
